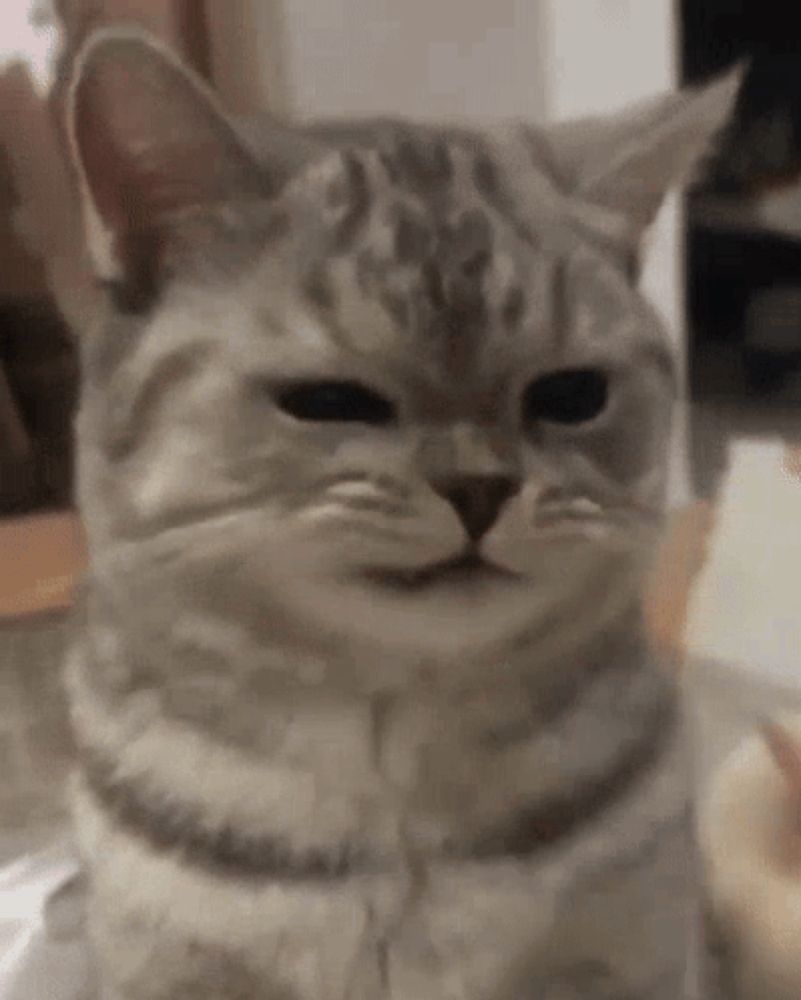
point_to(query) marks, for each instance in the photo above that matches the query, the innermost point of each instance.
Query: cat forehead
(427, 240)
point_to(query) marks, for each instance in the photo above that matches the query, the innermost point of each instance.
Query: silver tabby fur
(317, 763)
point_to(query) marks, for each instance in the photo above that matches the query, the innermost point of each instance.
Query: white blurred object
(30, 33)
(43, 954)
(743, 639)
(749, 837)
(743, 626)
(744, 609)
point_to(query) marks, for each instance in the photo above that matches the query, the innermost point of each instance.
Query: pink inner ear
(151, 142)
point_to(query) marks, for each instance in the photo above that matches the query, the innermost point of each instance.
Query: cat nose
(477, 500)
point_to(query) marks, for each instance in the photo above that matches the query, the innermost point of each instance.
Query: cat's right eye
(570, 396)
(336, 402)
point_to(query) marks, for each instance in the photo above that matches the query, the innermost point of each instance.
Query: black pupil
(336, 401)
(573, 396)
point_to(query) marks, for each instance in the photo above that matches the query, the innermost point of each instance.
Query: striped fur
(363, 705)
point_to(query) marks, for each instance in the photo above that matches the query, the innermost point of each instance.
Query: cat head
(398, 370)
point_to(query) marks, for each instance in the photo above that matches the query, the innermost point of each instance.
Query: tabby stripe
(608, 662)
(176, 826)
(563, 816)
(126, 431)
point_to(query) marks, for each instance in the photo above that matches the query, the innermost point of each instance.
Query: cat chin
(453, 624)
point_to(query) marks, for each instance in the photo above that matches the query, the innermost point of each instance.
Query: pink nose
(477, 500)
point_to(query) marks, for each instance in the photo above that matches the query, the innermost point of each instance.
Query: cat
(371, 446)
(750, 830)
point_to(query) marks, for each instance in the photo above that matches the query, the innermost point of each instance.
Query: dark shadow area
(743, 260)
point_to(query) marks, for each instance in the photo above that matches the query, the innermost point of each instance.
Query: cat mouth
(467, 569)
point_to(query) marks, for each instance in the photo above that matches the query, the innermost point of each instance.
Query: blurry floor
(35, 746)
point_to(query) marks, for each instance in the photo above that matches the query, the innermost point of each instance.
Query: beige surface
(744, 608)
(41, 559)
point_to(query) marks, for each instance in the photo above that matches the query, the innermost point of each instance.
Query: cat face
(404, 372)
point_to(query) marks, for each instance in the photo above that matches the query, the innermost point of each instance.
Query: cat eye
(571, 396)
(330, 402)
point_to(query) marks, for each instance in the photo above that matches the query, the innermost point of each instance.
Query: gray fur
(319, 760)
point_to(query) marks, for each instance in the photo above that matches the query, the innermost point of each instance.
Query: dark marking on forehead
(421, 164)
(413, 237)
(317, 288)
(389, 165)
(561, 314)
(488, 180)
(398, 307)
(466, 245)
(348, 195)
(513, 307)
(372, 271)
(433, 286)
(486, 177)
(542, 155)
(632, 266)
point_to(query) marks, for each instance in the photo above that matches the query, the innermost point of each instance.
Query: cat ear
(148, 143)
(627, 164)
(785, 748)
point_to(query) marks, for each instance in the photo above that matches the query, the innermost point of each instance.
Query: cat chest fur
(556, 895)
(583, 907)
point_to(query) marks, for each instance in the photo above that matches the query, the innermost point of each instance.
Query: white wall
(429, 58)
(542, 59)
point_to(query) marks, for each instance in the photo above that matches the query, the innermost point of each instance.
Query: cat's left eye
(330, 402)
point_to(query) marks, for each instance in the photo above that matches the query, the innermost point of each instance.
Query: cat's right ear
(148, 143)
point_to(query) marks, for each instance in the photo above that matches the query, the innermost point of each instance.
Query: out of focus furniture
(47, 295)
(744, 223)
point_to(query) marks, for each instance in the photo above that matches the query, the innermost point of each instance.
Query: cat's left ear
(627, 163)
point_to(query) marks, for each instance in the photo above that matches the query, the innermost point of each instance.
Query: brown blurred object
(46, 274)
(180, 23)
(40, 264)
(38, 391)
(678, 564)
(216, 39)
(44, 556)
